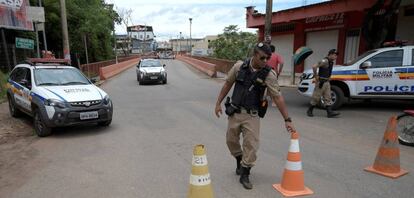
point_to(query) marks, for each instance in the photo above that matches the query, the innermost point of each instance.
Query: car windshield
(151, 63)
(59, 77)
(359, 57)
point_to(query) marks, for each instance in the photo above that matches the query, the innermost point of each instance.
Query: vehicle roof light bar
(34, 61)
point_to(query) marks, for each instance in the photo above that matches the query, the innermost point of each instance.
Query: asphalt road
(147, 150)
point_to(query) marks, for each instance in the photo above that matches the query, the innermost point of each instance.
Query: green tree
(92, 19)
(232, 44)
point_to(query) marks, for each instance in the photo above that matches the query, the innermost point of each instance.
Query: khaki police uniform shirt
(323, 63)
(273, 88)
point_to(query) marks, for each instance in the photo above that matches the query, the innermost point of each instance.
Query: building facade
(182, 45)
(334, 24)
(142, 38)
(202, 48)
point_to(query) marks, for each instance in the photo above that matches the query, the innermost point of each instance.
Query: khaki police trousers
(248, 126)
(325, 92)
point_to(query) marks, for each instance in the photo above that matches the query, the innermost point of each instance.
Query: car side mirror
(365, 65)
(93, 80)
(163, 65)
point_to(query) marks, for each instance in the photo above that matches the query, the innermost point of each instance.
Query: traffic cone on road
(387, 162)
(293, 179)
(200, 181)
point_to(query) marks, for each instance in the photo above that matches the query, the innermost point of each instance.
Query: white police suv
(55, 95)
(151, 70)
(386, 73)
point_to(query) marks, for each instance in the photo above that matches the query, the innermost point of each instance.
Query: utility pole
(116, 50)
(268, 22)
(191, 47)
(86, 49)
(44, 30)
(3, 38)
(65, 36)
(37, 40)
(86, 54)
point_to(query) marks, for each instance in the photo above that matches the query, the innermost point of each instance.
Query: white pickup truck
(386, 73)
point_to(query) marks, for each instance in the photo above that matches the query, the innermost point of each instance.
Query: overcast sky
(168, 18)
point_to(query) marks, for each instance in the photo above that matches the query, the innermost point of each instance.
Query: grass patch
(3, 80)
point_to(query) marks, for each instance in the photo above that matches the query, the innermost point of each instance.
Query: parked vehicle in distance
(384, 73)
(55, 95)
(151, 70)
(167, 55)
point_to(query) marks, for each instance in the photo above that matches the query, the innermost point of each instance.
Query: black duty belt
(248, 111)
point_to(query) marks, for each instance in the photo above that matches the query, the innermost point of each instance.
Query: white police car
(386, 73)
(151, 70)
(55, 95)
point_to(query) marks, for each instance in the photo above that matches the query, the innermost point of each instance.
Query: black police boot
(244, 178)
(310, 111)
(238, 165)
(330, 113)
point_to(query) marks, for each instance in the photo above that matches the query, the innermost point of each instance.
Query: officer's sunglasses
(263, 58)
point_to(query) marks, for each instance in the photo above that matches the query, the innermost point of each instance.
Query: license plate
(88, 115)
(154, 77)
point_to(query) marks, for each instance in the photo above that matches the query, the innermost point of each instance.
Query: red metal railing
(92, 69)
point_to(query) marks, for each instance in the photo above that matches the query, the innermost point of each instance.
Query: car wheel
(140, 82)
(405, 129)
(39, 125)
(138, 77)
(338, 97)
(105, 123)
(14, 112)
(164, 81)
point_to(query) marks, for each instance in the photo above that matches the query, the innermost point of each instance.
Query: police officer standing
(252, 78)
(322, 85)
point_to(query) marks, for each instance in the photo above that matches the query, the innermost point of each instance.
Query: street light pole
(191, 47)
(145, 34)
(180, 42)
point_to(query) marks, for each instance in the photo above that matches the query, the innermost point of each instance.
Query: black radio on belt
(230, 109)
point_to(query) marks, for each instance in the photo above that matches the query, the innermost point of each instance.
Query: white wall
(284, 47)
(320, 42)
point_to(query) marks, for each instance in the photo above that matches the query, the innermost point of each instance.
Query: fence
(222, 65)
(92, 69)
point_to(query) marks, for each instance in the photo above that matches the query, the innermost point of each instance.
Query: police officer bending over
(252, 78)
(322, 85)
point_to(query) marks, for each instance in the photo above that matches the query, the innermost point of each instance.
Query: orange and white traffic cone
(200, 181)
(387, 162)
(293, 183)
